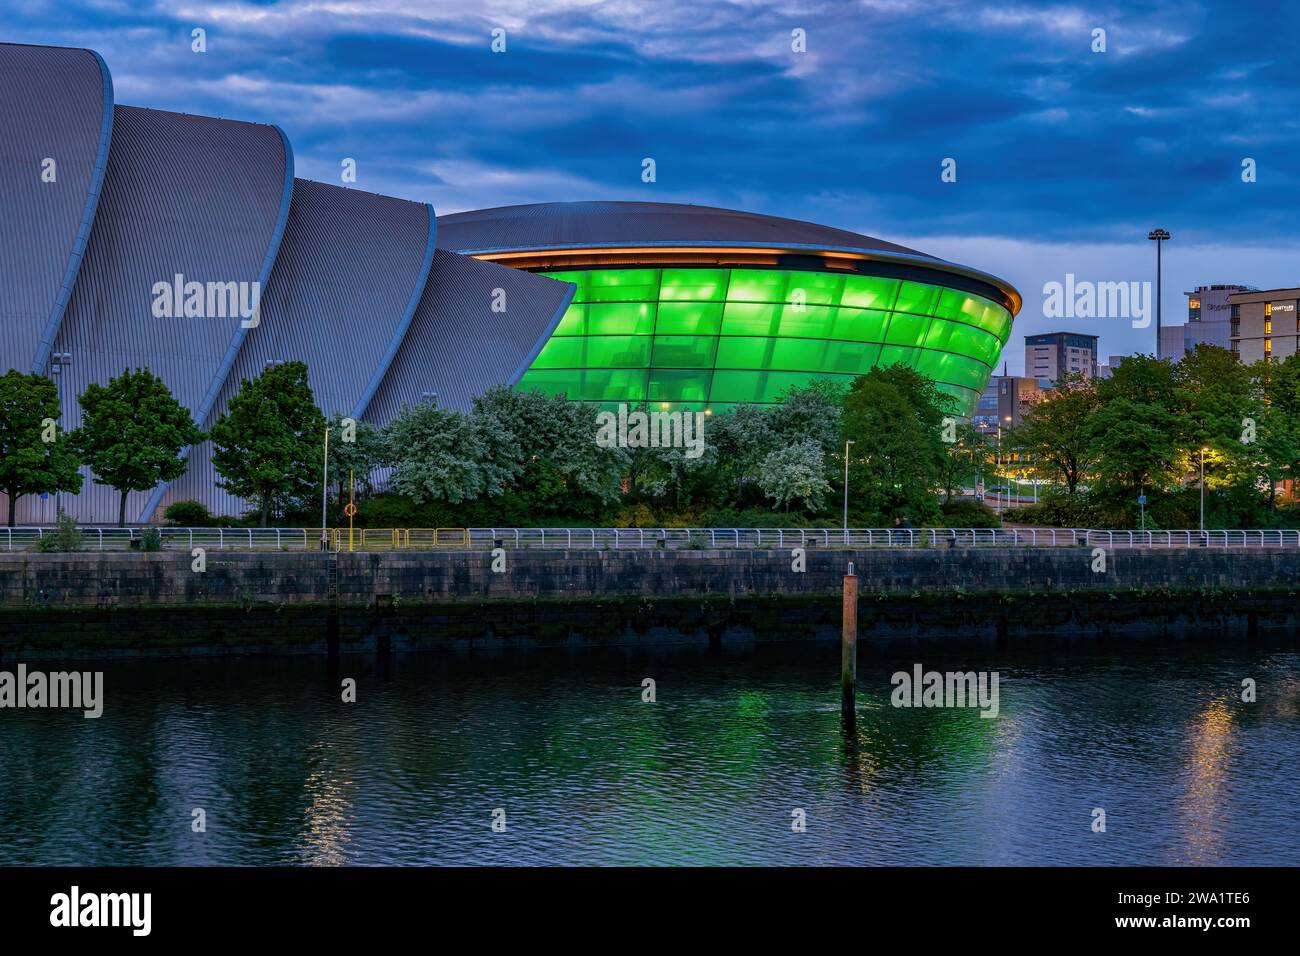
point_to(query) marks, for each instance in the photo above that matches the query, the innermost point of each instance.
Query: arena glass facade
(702, 308)
(716, 337)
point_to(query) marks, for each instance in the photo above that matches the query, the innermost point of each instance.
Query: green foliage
(1057, 509)
(966, 513)
(132, 433)
(269, 443)
(36, 457)
(1056, 433)
(357, 449)
(189, 514)
(151, 540)
(440, 455)
(795, 473)
(543, 447)
(968, 458)
(66, 536)
(895, 416)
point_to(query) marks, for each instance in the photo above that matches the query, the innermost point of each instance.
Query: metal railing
(430, 539)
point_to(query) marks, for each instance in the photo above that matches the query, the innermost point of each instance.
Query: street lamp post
(997, 466)
(1158, 236)
(1202, 487)
(324, 485)
(58, 362)
(846, 490)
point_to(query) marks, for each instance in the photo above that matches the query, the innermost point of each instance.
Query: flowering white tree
(795, 473)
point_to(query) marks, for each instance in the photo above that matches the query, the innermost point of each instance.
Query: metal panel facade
(185, 196)
(459, 345)
(349, 274)
(56, 118)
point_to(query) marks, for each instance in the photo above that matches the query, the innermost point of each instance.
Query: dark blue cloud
(1053, 141)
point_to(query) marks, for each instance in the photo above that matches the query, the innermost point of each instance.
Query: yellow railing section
(392, 539)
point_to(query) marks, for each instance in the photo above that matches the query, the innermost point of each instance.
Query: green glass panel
(608, 318)
(751, 387)
(809, 355)
(855, 358)
(869, 292)
(906, 329)
(953, 369)
(757, 285)
(621, 285)
(679, 385)
(741, 318)
(917, 297)
(694, 285)
(579, 277)
(704, 318)
(818, 288)
(860, 325)
(963, 339)
(684, 351)
(967, 399)
(595, 351)
(812, 321)
(737, 352)
(897, 355)
(976, 310)
(592, 385)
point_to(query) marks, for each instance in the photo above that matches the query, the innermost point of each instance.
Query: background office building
(1263, 324)
(1005, 401)
(1209, 321)
(1051, 355)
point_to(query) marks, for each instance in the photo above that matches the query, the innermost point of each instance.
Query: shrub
(189, 514)
(636, 516)
(151, 540)
(65, 537)
(964, 513)
(1060, 510)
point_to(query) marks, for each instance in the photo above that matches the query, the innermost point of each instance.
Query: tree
(742, 438)
(1057, 432)
(268, 444)
(895, 416)
(1133, 445)
(132, 433)
(965, 458)
(1275, 451)
(357, 449)
(544, 448)
(1136, 431)
(35, 456)
(438, 455)
(795, 473)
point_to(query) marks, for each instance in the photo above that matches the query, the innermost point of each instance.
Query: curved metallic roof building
(709, 308)
(184, 244)
(57, 110)
(186, 199)
(349, 274)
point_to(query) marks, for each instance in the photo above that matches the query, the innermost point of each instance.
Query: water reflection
(708, 774)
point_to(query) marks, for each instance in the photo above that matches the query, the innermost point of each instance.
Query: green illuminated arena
(716, 310)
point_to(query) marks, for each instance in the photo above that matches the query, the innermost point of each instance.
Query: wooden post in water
(849, 647)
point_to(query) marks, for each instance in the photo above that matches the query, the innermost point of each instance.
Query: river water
(742, 758)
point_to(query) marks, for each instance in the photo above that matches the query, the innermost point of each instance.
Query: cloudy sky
(1065, 157)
